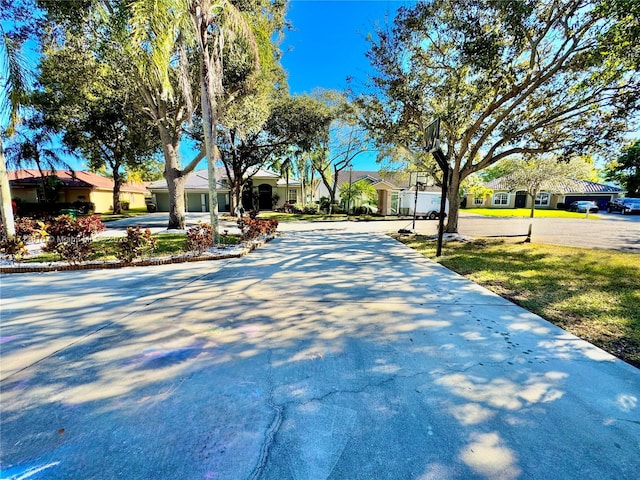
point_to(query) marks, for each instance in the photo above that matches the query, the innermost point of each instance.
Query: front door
(264, 196)
(521, 199)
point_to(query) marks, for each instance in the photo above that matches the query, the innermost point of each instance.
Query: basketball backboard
(432, 135)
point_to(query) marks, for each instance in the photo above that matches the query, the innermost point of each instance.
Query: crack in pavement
(270, 434)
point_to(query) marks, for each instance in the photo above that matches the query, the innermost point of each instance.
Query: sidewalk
(322, 355)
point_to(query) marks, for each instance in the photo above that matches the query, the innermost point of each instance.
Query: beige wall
(24, 194)
(554, 199)
(75, 195)
(283, 193)
(103, 200)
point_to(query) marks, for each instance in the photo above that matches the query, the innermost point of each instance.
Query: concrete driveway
(322, 355)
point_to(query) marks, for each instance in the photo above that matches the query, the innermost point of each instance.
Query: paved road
(608, 231)
(322, 355)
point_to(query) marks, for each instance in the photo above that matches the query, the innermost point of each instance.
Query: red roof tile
(76, 178)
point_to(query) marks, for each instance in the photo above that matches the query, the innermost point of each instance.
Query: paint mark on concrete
(318, 435)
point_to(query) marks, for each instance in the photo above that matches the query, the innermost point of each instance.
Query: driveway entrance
(320, 356)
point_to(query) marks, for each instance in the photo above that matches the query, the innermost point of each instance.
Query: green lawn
(525, 212)
(593, 294)
(105, 248)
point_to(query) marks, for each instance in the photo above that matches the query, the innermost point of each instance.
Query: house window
(478, 201)
(293, 196)
(543, 199)
(501, 199)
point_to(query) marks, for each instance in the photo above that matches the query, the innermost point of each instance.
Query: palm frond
(14, 80)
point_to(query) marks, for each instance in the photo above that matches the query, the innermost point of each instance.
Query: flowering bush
(254, 228)
(136, 244)
(200, 237)
(71, 238)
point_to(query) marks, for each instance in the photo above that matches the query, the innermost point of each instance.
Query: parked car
(624, 205)
(583, 206)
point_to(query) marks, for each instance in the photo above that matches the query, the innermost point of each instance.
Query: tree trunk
(117, 183)
(175, 181)
(175, 184)
(453, 195)
(6, 209)
(533, 203)
(211, 90)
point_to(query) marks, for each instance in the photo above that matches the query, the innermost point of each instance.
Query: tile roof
(74, 179)
(566, 186)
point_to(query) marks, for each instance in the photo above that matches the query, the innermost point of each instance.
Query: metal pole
(349, 195)
(443, 206)
(415, 205)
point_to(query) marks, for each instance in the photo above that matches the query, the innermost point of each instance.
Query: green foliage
(136, 244)
(474, 185)
(626, 169)
(360, 192)
(200, 237)
(505, 78)
(497, 170)
(92, 100)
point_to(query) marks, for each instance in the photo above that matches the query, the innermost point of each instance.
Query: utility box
(427, 206)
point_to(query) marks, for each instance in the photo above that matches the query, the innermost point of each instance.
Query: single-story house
(264, 189)
(563, 193)
(70, 187)
(387, 188)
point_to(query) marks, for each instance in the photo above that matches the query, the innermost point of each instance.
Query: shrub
(124, 205)
(30, 230)
(92, 224)
(254, 228)
(310, 209)
(136, 244)
(13, 249)
(27, 229)
(71, 238)
(200, 237)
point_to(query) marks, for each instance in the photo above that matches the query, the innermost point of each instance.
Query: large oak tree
(506, 78)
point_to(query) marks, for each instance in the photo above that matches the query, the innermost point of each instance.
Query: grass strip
(594, 294)
(526, 212)
(105, 248)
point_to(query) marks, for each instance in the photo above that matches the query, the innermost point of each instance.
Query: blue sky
(328, 43)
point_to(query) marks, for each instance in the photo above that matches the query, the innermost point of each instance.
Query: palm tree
(13, 82)
(172, 25)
